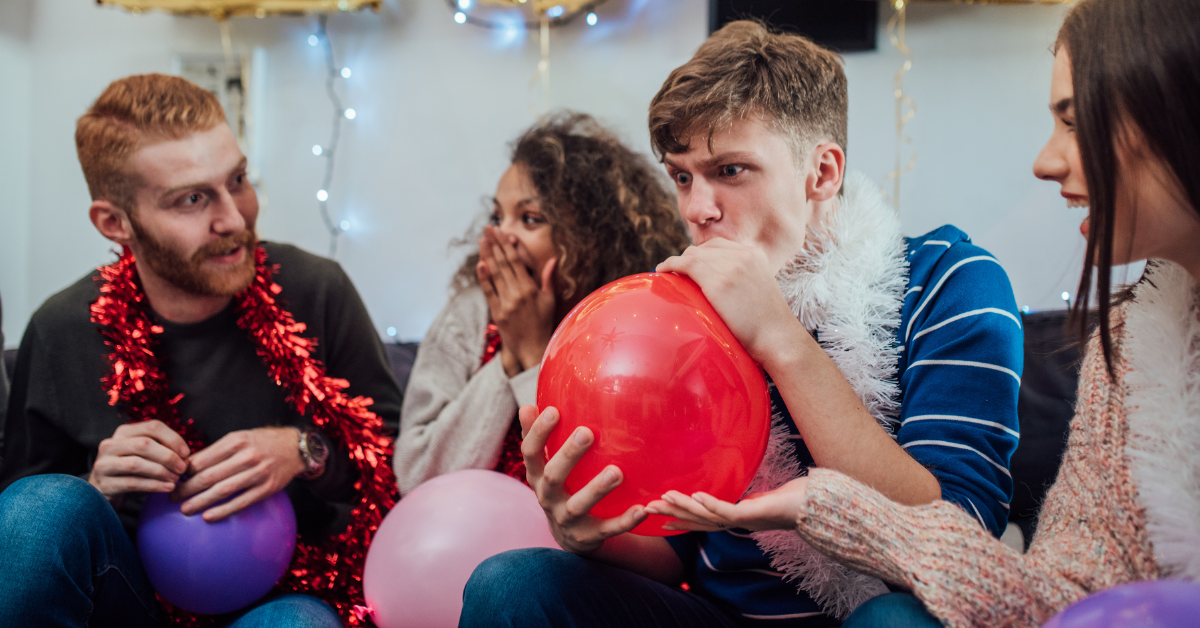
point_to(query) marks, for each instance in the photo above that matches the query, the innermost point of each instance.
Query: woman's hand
(773, 510)
(575, 530)
(522, 309)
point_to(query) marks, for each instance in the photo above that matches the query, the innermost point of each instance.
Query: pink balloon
(428, 545)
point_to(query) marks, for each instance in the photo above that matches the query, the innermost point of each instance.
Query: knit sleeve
(964, 576)
(455, 413)
(1089, 537)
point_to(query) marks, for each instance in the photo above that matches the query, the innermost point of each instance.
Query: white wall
(15, 88)
(437, 103)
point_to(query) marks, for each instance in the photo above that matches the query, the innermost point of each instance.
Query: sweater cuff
(524, 386)
(855, 525)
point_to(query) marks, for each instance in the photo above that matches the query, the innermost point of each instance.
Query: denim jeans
(65, 560)
(548, 587)
(892, 610)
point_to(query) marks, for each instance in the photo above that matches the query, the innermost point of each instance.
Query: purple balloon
(1156, 604)
(214, 568)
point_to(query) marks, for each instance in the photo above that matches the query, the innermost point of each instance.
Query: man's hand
(522, 309)
(739, 282)
(249, 465)
(575, 530)
(773, 510)
(145, 457)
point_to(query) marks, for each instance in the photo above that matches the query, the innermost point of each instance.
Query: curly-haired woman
(575, 210)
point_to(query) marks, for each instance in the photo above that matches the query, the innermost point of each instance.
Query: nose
(699, 204)
(1051, 163)
(226, 219)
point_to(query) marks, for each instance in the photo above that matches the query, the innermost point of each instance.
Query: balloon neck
(362, 612)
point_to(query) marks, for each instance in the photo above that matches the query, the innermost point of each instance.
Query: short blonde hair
(743, 69)
(131, 113)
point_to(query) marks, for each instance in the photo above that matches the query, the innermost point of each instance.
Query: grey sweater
(456, 413)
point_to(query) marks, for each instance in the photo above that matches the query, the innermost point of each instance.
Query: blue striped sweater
(960, 367)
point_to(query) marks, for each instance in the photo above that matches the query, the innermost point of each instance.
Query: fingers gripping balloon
(673, 399)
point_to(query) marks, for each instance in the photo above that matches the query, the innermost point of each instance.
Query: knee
(900, 610)
(301, 611)
(517, 581)
(47, 505)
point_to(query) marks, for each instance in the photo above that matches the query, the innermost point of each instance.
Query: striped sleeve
(960, 375)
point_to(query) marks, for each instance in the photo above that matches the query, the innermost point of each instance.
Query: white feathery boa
(848, 285)
(1162, 402)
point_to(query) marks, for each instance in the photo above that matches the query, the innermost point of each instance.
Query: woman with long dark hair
(1125, 96)
(576, 209)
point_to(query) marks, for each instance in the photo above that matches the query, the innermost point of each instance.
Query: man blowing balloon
(894, 360)
(204, 364)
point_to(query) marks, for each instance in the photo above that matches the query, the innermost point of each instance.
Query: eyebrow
(715, 160)
(1063, 106)
(187, 186)
(524, 201)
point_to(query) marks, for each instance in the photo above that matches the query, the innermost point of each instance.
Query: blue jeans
(893, 610)
(65, 560)
(547, 587)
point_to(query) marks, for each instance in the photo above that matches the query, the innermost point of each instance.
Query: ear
(112, 222)
(828, 168)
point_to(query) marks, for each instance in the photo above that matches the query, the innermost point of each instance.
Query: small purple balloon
(1155, 604)
(214, 568)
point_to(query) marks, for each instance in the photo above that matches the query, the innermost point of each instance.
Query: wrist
(510, 362)
(313, 453)
(783, 345)
(533, 356)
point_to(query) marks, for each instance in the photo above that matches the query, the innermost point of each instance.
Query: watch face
(317, 448)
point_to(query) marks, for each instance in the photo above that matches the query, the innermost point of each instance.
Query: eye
(533, 219)
(683, 178)
(731, 170)
(240, 178)
(494, 220)
(192, 199)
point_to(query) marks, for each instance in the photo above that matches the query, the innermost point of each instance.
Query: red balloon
(673, 399)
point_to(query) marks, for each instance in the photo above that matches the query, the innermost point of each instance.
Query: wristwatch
(313, 452)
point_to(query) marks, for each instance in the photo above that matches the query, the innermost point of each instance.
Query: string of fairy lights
(328, 152)
(557, 15)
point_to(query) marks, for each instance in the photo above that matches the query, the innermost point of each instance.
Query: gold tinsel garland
(223, 9)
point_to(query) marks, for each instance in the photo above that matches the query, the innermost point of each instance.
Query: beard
(189, 273)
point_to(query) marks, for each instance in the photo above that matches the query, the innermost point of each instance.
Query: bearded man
(180, 369)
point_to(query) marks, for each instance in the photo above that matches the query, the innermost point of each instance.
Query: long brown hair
(1134, 63)
(610, 210)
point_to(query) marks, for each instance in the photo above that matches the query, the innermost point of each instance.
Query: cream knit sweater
(1129, 485)
(455, 413)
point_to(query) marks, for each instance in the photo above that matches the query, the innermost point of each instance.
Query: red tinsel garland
(511, 463)
(333, 570)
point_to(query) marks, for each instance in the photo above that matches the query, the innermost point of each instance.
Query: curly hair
(610, 211)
